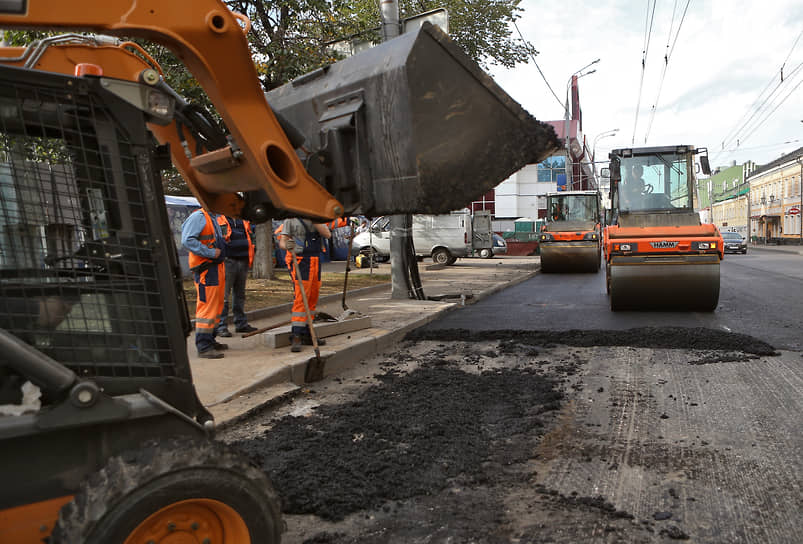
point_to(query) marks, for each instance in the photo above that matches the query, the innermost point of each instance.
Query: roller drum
(569, 257)
(665, 283)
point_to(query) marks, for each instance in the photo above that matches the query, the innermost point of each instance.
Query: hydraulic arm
(210, 40)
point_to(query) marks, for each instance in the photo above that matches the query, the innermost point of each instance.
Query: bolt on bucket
(412, 125)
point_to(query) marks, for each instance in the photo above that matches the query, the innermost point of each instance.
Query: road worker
(307, 241)
(203, 239)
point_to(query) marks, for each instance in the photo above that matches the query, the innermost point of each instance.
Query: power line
(770, 100)
(764, 120)
(666, 63)
(755, 107)
(530, 50)
(645, 47)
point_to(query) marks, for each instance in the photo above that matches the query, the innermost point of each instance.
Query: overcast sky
(725, 67)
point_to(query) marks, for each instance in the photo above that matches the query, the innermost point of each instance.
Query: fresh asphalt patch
(407, 436)
(698, 338)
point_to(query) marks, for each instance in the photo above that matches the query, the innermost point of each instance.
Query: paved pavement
(253, 373)
(797, 249)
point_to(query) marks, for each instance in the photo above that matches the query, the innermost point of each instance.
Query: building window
(550, 168)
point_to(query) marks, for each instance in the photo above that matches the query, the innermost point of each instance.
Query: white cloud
(726, 54)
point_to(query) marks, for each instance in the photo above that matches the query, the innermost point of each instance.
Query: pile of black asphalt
(406, 436)
(698, 338)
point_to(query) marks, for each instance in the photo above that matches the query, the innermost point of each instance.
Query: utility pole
(566, 115)
(401, 226)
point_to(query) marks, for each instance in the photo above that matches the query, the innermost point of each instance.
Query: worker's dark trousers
(236, 276)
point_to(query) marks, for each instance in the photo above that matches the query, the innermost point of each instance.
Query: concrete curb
(345, 358)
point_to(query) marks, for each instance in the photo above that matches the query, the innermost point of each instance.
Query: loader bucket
(412, 125)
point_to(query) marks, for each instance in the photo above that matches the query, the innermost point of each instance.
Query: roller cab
(658, 254)
(570, 239)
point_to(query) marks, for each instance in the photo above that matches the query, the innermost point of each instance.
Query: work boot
(220, 347)
(246, 329)
(210, 354)
(224, 333)
(307, 340)
(295, 344)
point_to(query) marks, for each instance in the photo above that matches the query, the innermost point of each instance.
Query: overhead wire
(778, 105)
(530, 50)
(667, 56)
(645, 48)
(735, 133)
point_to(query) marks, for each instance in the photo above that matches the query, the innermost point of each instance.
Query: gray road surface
(761, 294)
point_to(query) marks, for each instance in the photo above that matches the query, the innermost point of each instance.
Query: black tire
(207, 476)
(608, 278)
(441, 256)
(486, 253)
(744, 252)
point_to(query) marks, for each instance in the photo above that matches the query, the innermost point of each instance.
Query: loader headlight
(624, 247)
(546, 238)
(590, 236)
(703, 245)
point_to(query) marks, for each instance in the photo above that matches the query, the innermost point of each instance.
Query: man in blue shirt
(202, 237)
(239, 259)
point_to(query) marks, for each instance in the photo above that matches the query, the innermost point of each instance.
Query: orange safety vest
(207, 238)
(223, 221)
(337, 223)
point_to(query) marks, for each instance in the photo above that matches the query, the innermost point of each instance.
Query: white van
(442, 237)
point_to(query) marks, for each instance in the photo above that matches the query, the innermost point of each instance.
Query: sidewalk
(776, 249)
(251, 374)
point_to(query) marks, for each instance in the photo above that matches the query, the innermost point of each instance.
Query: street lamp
(579, 73)
(605, 134)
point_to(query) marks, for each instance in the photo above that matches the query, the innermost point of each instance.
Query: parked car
(734, 242)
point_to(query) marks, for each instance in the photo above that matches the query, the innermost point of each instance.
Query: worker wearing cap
(303, 241)
(202, 237)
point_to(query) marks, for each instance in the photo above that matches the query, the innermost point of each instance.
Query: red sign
(794, 211)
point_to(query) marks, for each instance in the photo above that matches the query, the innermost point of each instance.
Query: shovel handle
(265, 329)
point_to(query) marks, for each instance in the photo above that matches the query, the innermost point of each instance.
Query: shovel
(314, 370)
(347, 313)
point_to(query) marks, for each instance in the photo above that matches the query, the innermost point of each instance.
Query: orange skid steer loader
(102, 436)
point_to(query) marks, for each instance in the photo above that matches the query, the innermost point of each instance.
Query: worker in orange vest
(307, 248)
(240, 250)
(202, 237)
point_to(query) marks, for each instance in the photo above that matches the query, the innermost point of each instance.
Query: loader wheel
(173, 491)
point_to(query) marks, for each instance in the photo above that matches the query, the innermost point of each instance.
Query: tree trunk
(263, 259)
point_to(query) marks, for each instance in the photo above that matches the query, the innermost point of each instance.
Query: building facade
(776, 200)
(725, 196)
